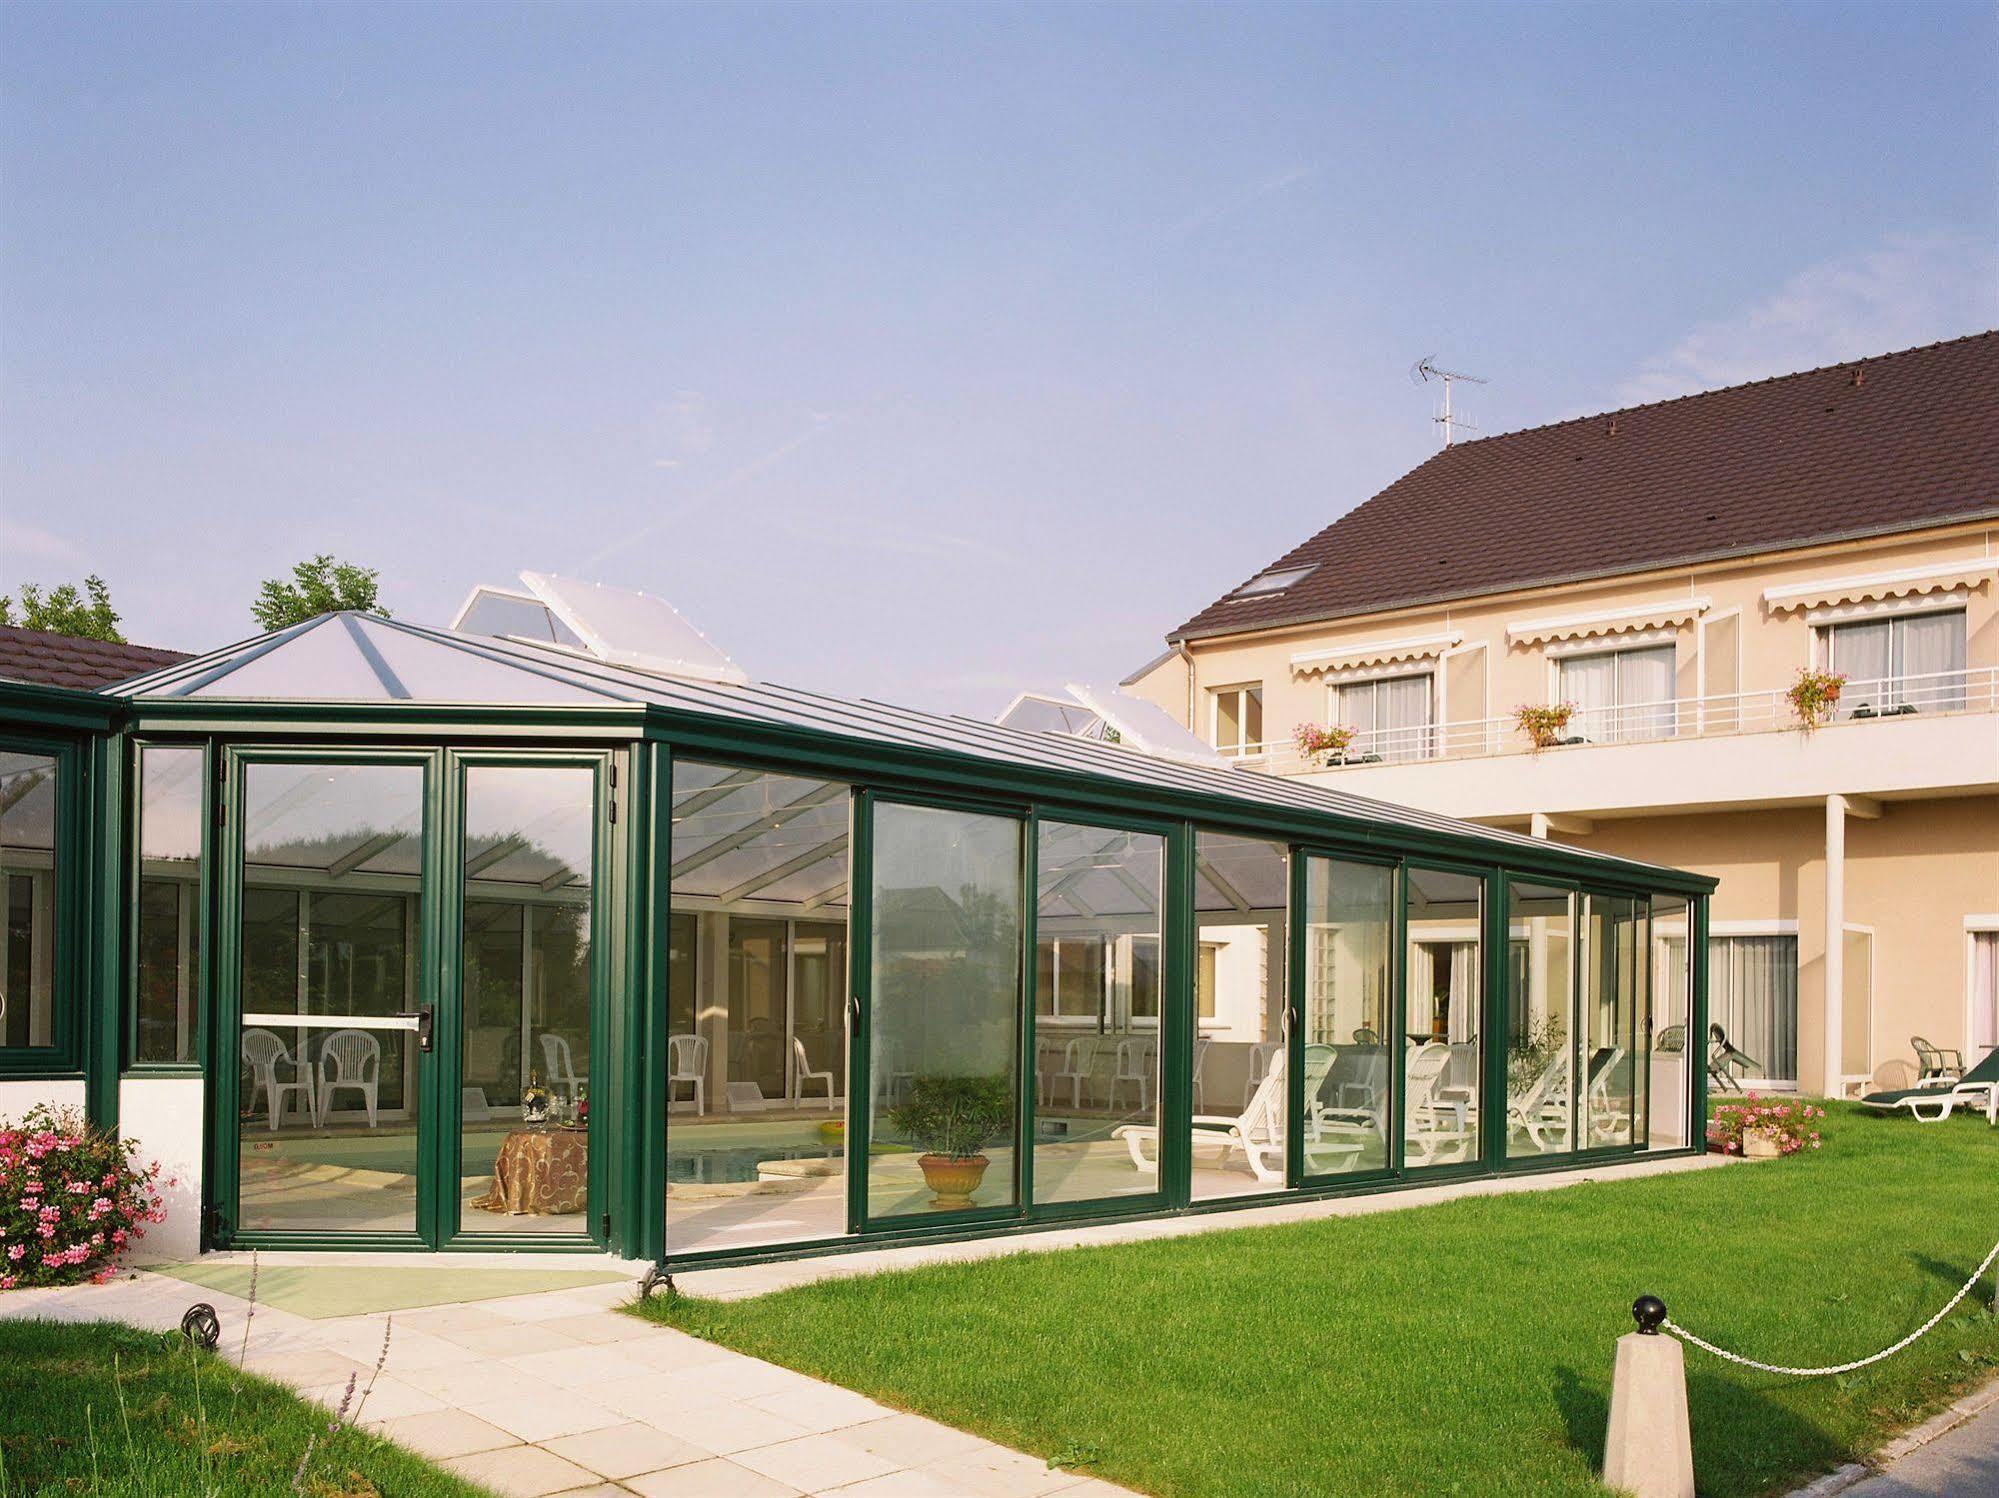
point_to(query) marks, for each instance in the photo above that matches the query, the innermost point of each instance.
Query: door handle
(423, 1028)
(853, 1014)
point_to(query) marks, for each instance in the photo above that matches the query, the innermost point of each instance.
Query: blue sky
(921, 352)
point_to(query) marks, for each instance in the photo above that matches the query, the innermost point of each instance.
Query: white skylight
(1276, 580)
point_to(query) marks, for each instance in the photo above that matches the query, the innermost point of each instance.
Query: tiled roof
(53, 660)
(1883, 444)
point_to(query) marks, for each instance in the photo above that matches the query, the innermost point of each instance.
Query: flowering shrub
(1814, 695)
(71, 1199)
(1788, 1125)
(1544, 723)
(1313, 739)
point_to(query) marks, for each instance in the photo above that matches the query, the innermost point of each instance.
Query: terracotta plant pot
(952, 1179)
(1759, 1144)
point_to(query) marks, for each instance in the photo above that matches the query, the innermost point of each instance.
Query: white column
(1833, 966)
(1537, 825)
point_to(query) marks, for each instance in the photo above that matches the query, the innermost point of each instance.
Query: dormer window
(1276, 580)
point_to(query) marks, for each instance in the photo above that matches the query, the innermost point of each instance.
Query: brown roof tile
(54, 660)
(1889, 443)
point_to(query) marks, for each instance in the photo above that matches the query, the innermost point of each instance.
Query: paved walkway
(1963, 1462)
(559, 1393)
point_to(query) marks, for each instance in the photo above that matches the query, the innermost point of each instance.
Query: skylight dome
(1276, 580)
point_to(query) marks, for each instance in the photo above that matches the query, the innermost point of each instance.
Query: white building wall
(164, 1115)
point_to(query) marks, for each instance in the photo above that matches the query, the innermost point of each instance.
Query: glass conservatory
(552, 931)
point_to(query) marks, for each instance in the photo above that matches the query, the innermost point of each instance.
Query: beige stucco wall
(1914, 875)
(1772, 645)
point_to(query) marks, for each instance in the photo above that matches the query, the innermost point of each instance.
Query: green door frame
(1170, 1036)
(1299, 959)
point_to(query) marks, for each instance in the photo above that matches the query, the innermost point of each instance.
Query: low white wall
(17, 1098)
(164, 1115)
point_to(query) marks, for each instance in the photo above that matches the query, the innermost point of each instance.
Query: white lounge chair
(350, 1059)
(264, 1053)
(1257, 1133)
(1437, 1131)
(803, 1073)
(1544, 1108)
(1979, 1086)
(1260, 1061)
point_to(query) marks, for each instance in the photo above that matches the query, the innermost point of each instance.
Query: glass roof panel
(520, 616)
(328, 818)
(1145, 725)
(430, 671)
(631, 628)
(320, 662)
(1033, 713)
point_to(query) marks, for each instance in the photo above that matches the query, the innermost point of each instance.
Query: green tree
(67, 610)
(319, 586)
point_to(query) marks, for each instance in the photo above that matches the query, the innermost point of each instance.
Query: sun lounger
(1977, 1088)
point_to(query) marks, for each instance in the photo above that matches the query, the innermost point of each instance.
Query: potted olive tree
(951, 1120)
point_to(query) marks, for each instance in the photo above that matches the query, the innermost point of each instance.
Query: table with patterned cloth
(540, 1172)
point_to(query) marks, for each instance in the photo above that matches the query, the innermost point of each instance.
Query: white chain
(1887, 1352)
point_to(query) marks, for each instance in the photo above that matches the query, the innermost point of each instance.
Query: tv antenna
(1425, 370)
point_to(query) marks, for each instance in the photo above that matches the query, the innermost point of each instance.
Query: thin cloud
(1913, 289)
(1248, 197)
(18, 540)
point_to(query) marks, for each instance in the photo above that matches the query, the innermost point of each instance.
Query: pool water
(732, 1165)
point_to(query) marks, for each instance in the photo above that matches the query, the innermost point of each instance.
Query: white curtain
(1985, 989)
(1860, 653)
(1458, 1017)
(1590, 682)
(1391, 717)
(1931, 651)
(1753, 993)
(1645, 693)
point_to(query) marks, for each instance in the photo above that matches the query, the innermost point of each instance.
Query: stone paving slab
(560, 1393)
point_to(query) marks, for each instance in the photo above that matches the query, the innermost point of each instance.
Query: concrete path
(559, 1393)
(1963, 1462)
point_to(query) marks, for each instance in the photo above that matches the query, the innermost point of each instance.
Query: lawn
(101, 1408)
(1460, 1348)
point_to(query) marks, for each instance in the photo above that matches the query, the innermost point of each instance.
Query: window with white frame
(1390, 715)
(1235, 719)
(1071, 979)
(1896, 663)
(1983, 978)
(1620, 695)
(1753, 999)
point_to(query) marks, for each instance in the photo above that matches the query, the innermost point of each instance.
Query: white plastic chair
(1260, 1056)
(560, 1062)
(1134, 1064)
(350, 1059)
(894, 1074)
(1077, 1057)
(802, 1073)
(1438, 1128)
(1200, 1058)
(263, 1053)
(687, 1062)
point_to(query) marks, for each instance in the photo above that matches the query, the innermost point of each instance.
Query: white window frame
(1242, 690)
(1975, 926)
(1788, 928)
(1559, 653)
(1375, 676)
(1825, 621)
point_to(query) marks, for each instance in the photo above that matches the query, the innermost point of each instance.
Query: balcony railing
(1895, 698)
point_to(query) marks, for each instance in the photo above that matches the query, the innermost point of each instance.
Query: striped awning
(1643, 617)
(1908, 582)
(1372, 653)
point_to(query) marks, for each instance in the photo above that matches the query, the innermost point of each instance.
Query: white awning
(1644, 617)
(1373, 653)
(1906, 583)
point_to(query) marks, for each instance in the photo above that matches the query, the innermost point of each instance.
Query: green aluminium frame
(633, 747)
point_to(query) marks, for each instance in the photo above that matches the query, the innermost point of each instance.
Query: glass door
(333, 1033)
(1611, 997)
(1346, 1042)
(941, 1020)
(527, 977)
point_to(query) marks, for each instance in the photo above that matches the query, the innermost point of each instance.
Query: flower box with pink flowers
(72, 1200)
(1758, 1128)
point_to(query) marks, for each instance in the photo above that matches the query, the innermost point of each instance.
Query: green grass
(1459, 1348)
(106, 1409)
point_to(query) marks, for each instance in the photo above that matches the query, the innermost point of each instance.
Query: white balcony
(1935, 733)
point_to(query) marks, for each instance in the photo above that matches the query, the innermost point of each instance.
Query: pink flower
(15, 1250)
(6, 1281)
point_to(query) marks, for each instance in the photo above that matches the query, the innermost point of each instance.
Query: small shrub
(1332, 740)
(1790, 1124)
(72, 1200)
(954, 1116)
(1544, 723)
(1814, 695)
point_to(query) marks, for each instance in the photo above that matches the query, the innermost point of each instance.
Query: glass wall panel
(167, 995)
(1098, 909)
(1242, 892)
(1540, 999)
(1442, 1058)
(28, 784)
(332, 861)
(530, 843)
(1669, 1087)
(756, 1009)
(1349, 1014)
(1613, 995)
(944, 996)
